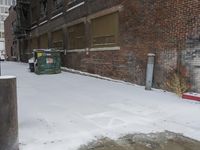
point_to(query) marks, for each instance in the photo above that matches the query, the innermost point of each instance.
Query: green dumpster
(47, 61)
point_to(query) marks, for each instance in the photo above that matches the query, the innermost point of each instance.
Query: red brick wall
(9, 33)
(158, 26)
(162, 27)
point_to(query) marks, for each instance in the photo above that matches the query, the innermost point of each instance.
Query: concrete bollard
(149, 73)
(8, 114)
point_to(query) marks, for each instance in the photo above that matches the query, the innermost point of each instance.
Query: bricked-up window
(34, 43)
(105, 30)
(76, 37)
(72, 3)
(43, 8)
(57, 39)
(44, 41)
(57, 4)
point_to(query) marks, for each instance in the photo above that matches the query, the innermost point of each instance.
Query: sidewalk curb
(65, 69)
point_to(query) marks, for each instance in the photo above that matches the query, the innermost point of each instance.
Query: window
(1, 26)
(6, 10)
(6, 2)
(1, 18)
(76, 35)
(57, 39)
(2, 9)
(57, 3)
(1, 34)
(43, 8)
(13, 26)
(10, 2)
(11, 51)
(13, 2)
(105, 30)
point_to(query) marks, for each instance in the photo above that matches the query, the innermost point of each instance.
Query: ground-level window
(105, 30)
(44, 41)
(76, 36)
(57, 39)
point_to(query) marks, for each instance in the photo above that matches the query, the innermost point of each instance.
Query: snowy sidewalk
(61, 112)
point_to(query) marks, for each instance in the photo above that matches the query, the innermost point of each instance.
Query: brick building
(113, 37)
(4, 6)
(10, 41)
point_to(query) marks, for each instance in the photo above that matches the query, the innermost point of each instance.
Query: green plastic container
(47, 61)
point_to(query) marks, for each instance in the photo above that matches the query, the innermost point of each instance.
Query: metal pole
(8, 114)
(150, 69)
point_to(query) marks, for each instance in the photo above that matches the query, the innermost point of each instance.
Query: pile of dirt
(155, 141)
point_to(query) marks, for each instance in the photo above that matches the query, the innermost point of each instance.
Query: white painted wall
(2, 46)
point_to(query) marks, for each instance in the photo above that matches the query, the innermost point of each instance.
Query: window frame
(77, 36)
(58, 44)
(111, 39)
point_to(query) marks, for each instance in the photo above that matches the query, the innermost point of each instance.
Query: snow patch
(66, 110)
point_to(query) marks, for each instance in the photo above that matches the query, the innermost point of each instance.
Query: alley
(66, 110)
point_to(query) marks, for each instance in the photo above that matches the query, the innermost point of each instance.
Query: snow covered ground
(63, 111)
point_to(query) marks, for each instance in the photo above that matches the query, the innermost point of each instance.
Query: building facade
(11, 47)
(113, 37)
(4, 11)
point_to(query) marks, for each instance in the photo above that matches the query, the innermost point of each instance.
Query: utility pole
(8, 114)
(149, 72)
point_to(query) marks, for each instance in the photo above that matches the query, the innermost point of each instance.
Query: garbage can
(47, 61)
(31, 64)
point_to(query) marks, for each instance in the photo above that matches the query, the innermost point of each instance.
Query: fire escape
(22, 25)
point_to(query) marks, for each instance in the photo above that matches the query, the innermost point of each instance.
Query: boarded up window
(105, 30)
(34, 44)
(44, 41)
(57, 39)
(77, 36)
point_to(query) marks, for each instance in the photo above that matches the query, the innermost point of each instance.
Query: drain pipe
(8, 114)
(149, 72)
